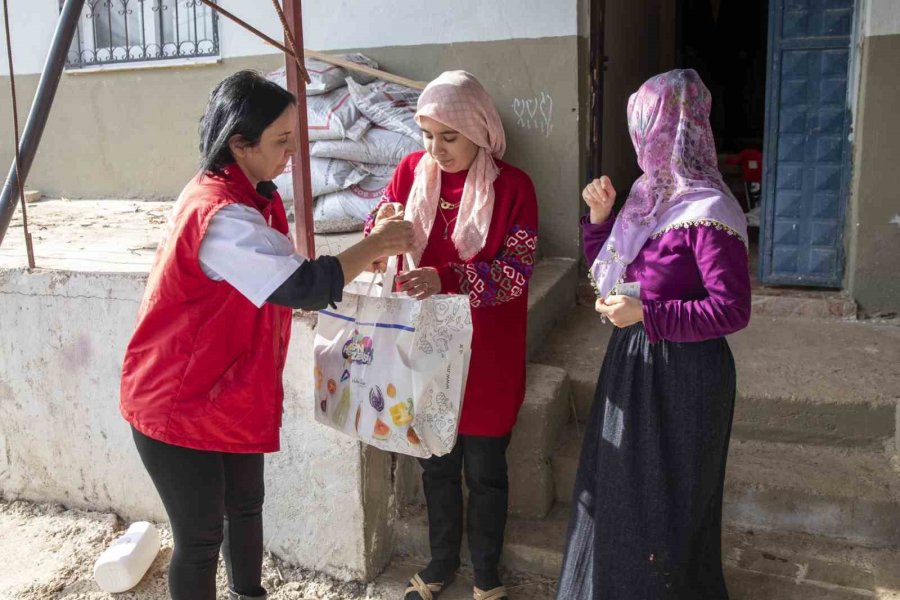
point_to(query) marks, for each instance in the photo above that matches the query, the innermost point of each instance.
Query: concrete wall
(132, 132)
(62, 439)
(333, 25)
(874, 253)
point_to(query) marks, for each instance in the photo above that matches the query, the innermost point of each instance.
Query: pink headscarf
(456, 99)
(681, 186)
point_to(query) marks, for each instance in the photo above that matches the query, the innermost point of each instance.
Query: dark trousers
(210, 498)
(483, 459)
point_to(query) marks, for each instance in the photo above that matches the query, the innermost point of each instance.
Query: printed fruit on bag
(401, 413)
(343, 409)
(358, 411)
(391, 391)
(376, 398)
(319, 378)
(412, 437)
(381, 430)
(332, 386)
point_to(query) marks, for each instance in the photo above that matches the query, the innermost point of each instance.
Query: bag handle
(391, 272)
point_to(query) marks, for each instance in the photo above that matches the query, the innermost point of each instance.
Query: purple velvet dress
(646, 514)
(695, 282)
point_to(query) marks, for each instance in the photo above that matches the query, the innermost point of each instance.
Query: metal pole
(303, 198)
(40, 108)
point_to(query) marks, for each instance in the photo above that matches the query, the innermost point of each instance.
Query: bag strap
(391, 272)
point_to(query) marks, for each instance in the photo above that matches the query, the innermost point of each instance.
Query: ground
(48, 552)
(103, 235)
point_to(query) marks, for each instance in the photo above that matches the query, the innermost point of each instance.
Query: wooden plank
(364, 69)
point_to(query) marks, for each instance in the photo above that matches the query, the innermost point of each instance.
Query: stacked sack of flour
(360, 128)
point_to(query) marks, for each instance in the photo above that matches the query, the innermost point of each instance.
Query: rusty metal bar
(303, 198)
(334, 60)
(40, 109)
(29, 247)
(259, 34)
(289, 38)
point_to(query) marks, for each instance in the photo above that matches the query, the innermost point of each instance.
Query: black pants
(210, 497)
(484, 461)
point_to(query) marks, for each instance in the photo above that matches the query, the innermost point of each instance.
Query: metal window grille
(127, 31)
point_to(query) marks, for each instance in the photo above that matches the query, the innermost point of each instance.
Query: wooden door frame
(597, 64)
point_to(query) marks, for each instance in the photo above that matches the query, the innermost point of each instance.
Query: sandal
(495, 594)
(426, 591)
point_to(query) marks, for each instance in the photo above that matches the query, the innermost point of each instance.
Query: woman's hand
(393, 236)
(390, 236)
(378, 266)
(391, 209)
(599, 195)
(622, 311)
(420, 283)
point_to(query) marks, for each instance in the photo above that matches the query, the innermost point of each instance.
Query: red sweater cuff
(449, 279)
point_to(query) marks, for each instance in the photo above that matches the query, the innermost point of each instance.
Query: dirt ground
(104, 235)
(47, 552)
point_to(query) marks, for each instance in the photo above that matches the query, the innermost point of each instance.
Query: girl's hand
(389, 210)
(622, 311)
(420, 283)
(599, 195)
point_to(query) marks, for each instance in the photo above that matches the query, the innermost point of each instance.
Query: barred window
(127, 31)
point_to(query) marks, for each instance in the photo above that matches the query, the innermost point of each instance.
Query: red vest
(203, 368)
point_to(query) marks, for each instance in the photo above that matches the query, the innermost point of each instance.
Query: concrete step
(817, 382)
(799, 380)
(847, 493)
(551, 296)
(820, 563)
(543, 416)
(804, 304)
(578, 344)
(565, 461)
(535, 437)
(758, 565)
(531, 546)
(750, 585)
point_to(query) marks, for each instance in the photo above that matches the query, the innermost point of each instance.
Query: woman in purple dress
(671, 274)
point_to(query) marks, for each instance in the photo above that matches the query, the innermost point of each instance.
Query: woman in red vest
(475, 222)
(201, 380)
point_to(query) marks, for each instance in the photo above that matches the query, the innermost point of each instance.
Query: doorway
(726, 43)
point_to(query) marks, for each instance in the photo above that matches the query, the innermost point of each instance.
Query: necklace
(444, 205)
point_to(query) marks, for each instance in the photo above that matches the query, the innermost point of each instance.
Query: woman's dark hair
(243, 104)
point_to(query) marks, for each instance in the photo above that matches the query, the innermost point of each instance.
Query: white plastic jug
(122, 565)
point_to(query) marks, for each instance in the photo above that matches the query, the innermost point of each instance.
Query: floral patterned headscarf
(458, 100)
(668, 119)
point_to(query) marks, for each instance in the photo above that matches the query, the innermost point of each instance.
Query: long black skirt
(647, 509)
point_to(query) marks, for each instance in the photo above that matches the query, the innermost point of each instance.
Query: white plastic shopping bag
(390, 370)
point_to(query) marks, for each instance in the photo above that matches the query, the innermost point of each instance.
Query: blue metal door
(807, 148)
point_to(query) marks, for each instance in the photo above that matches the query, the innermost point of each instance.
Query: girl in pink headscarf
(671, 274)
(475, 223)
